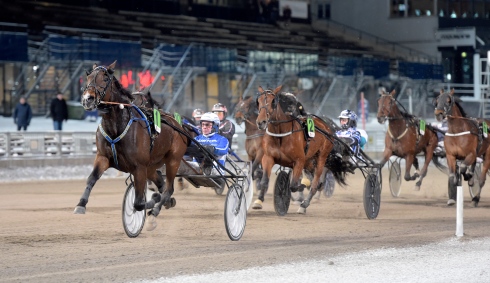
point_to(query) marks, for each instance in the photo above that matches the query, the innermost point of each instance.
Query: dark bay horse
(463, 141)
(246, 112)
(403, 138)
(125, 139)
(285, 143)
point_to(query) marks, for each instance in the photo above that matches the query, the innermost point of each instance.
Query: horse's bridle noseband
(100, 94)
(267, 113)
(446, 108)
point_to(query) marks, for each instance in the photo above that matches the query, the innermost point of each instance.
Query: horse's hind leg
(483, 177)
(410, 160)
(100, 165)
(267, 163)
(315, 184)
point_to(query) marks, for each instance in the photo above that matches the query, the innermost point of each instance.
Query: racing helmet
(348, 114)
(197, 113)
(219, 107)
(213, 118)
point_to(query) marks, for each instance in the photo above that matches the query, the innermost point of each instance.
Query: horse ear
(112, 66)
(260, 89)
(278, 89)
(94, 66)
(88, 73)
(442, 91)
(452, 92)
(392, 93)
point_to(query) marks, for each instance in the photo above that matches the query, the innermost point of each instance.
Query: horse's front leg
(452, 181)
(267, 163)
(469, 161)
(387, 153)
(101, 164)
(140, 177)
(295, 181)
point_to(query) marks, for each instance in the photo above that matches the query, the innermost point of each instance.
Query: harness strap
(251, 137)
(400, 136)
(277, 135)
(114, 141)
(458, 134)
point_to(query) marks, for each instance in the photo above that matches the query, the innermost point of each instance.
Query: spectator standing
(22, 114)
(59, 111)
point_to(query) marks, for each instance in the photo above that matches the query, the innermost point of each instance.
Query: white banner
(456, 37)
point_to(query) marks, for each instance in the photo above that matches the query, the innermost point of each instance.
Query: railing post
(59, 144)
(8, 142)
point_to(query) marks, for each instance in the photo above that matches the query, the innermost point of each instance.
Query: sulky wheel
(133, 220)
(372, 195)
(475, 189)
(282, 193)
(395, 179)
(235, 212)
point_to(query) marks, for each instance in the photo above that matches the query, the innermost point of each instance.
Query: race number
(311, 127)
(485, 129)
(178, 118)
(422, 127)
(157, 120)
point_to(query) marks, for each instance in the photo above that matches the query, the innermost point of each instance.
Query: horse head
(245, 109)
(385, 103)
(98, 81)
(444, 104)
(266, 104)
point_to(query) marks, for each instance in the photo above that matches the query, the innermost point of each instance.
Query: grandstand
(195, 61)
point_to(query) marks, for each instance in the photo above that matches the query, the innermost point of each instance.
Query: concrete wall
(373, 17)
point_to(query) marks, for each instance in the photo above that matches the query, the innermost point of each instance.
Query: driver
(349, 131)
(211, 140)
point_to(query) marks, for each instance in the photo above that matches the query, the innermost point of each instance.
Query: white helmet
(210, 117)
(348, 114)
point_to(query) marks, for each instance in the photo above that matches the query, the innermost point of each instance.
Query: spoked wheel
(282, 193)
(395, 179)
(475, 189)
(133, 220)
(235, 212)
(372, 195)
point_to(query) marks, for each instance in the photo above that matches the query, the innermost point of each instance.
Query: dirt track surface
(42, 241)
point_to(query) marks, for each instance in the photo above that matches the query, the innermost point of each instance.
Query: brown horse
(463, 141)
(125, 140)
(285, 143)
(403, 138)
(246, 112)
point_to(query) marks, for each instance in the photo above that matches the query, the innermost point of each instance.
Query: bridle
(387, 110)
(99, 91)
(248, 113)
(446, 108)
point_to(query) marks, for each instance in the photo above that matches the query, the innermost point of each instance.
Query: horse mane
(252, 105)
(125, 93)
(288, 103)
(458, 102)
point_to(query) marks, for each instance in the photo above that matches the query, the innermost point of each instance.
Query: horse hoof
(474, 203)
(301, 210)
(257, 204)
(79, 210)
(451, 202)
(151, 224)
(416, 188)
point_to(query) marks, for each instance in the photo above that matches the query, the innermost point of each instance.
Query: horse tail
(338, 168)
(439, 165)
